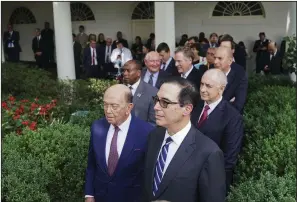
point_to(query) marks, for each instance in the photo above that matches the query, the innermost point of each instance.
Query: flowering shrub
(17, 115)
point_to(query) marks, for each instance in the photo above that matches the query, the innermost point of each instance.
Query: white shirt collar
(213, 105)
(125, 125)
(135, 86)
(187, 73)
(228, 72)
(180, 135)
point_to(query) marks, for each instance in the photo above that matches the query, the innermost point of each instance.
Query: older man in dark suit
(142, 92)
(218, 120)
(117, 149)
(236, 89)
(38, 49)
(182, 164)
(12, 47)
(273, 60)
(105, 52)
(152, 74)
(91, 60)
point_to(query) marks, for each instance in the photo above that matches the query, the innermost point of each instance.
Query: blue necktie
(160, 165)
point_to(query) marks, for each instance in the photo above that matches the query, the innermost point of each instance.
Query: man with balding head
(152, 74)
(237, 83)
(218, 120)
(142, 92)
(116, 152)
(105, 51)
(273, 60)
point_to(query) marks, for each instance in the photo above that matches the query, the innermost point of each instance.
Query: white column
(291, 19)
(63, 40)
(3, 55)
(165, 25)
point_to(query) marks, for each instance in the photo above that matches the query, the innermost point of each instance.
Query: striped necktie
(160, 165)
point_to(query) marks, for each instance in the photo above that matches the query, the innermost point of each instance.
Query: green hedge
(48, 165)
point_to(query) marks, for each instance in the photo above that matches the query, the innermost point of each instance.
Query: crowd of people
(173, 127)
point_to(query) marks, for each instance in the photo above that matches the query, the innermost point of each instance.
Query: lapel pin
(138, 95)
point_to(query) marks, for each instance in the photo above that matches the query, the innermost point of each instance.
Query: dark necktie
(113, 153)
(151, 80)
(163, 66)
(204, 115)
(159, 168)
(93, 58)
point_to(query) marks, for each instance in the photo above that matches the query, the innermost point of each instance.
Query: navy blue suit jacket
(124, 184)
(172, 69)
(237, 87)
(87, 57)
(224, 126)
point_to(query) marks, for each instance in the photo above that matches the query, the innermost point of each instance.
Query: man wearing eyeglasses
(218, 120)
(182, 164)
(152, 73)
(116, 152)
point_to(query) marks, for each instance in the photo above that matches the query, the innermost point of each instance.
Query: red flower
(33, 126)
(54, 101)
(25, 123)
(11, 98)
(34, 106)
(48, 106)
(16, 117)
(4, 105)
(42, 111)
(24, 101)
(19, 131)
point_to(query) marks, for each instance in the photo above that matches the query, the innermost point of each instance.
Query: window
(81, 12)
(22, 15)
(238, 8)
(144, 10)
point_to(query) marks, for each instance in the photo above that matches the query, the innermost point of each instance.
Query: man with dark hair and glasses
(181, 163)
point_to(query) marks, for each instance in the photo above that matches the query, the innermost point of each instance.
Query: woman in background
(101, 39)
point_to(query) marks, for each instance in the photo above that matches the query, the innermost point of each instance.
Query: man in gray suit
(141, 91)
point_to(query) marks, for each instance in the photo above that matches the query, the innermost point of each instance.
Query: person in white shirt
(116, 152)
(120, 55)
(182, 164)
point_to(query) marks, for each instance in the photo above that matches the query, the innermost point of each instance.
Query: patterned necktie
(204, 115)
(160, 165)
(151, 80)
(113, 153)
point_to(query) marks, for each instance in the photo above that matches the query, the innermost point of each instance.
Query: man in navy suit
(11, 44)
(182, 164)
(91, 60)
(223, 123)
(236, 89)
(116, 153)
(167, 62)
(104, 59)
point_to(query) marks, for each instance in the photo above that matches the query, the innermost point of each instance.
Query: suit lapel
(139, 91)
(230, 77)
(181, 156)
(102, 145)
(153, 158)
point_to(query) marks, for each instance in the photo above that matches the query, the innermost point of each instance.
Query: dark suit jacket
(258, 44)
(87, 58)
(124, 184)
(195, 77)
(77, 58)
(15, 38)
(125, 43)
(224, 126)
(237, 87)
(161, 77)
(172, 69)
(274, 64)
(240, 56)
(143, 102)
(48, 36)
(102, 52)
(37, 46)
(196, 172)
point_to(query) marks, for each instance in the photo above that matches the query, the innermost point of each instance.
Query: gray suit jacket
(143, 102)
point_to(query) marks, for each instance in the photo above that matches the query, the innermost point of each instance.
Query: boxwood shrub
(48, 165)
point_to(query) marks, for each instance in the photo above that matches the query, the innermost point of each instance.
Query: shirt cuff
(89, 196)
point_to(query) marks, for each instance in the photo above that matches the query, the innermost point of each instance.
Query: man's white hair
(217, 75)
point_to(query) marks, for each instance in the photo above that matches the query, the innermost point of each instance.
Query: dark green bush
(48, 165)
(268, 188)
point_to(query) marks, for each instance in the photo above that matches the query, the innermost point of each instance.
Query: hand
(264, 48)
(266, 68)
(90, 199)
(119, 57)
(38, 53)
(233, 99)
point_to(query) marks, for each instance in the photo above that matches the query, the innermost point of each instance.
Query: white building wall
(190, 18)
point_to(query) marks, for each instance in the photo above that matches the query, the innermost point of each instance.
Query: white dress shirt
(124, 127)
(212, 106)
(95, 56)
(177, 139)
(122, 135)
(228, 72)
(147, 77)
(125, 54)
(187, 73)
(134, 87)
(107, 53)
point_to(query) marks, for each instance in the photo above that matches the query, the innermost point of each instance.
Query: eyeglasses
(163, 103)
